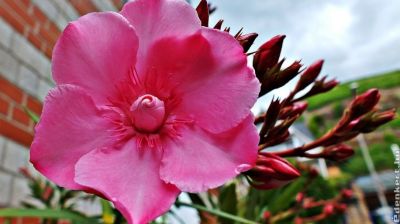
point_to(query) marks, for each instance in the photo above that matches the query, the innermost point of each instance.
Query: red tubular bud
(266, 215)
(346, 193)
(48, 191)
(309, 75)
(203, 13)
(381, 118)
(218, 25)
(247, 40)
(294, 110)
(271, 171)
(270, 117)
(276, 79)
(364, 103)
(329, 209)
(24, 171)
(338, 152)
(268, 55)
(299, 197)
(320, 86)
(341, 207)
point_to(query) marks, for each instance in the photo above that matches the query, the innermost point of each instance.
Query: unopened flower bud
(364, 103)
(309, 75)
(247, 40)
(337, 152)
(329, 209)
(341, 207)
(381, 118)
(203, 13)
(346, 193)
(266, 215)
(47, 193)
(218, 25)
(300, 197)
(268, 55)
(294, 110)
(271, 171)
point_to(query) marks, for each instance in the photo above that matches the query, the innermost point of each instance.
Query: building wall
(28, 31)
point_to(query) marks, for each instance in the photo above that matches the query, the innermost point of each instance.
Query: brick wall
(28, 31)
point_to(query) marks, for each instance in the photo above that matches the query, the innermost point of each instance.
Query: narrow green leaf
(107, 212)
(228, 202)
(287, 196)
(46, 213)
(32, 115)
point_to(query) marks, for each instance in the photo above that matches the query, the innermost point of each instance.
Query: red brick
(50, 38)
(39, 15)
(21, 10)
(20, 116)
(48, 51)
(9, 130)
(83, 7)
(35, 40)
(4, 105)
(12, 19)
(34, 105)
(10, 90)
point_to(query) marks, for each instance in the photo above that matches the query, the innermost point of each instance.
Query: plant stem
(217, 213)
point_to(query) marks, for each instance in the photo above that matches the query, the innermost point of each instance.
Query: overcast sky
(355, 37)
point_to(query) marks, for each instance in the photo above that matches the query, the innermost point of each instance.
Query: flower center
(148, 113)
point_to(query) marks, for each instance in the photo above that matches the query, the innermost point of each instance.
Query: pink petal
(129, 177)
(70, 126)
(200, 160)
(208, 73)
(95, 52)
(156, 19)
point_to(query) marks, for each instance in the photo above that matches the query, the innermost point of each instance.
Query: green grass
(341, 92)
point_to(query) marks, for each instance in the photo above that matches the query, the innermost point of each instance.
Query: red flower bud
(346, 193)
(247, 40)
(294, 110)
(299, 197)
(364, 103)
(320, 86)
(309, 75)
(271, 171)
(24, 171)
(329, 209)
(267, 215)
(270, 117)
(268, 55)
(203, 13)
(218, 25)
(48, 191)
(341, 207)
(275, 78)
(337, 152)
(381, 118)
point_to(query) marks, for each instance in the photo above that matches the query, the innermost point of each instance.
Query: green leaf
(46, 213)
(32, 115)
(107, 212)
(287, 196)
(228, 201)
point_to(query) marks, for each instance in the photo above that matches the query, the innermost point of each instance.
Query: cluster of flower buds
(328, 207)
(360, 116)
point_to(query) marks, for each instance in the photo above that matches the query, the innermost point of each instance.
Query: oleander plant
(154, 102)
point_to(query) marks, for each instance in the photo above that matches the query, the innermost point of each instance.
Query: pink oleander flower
(148, 103)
